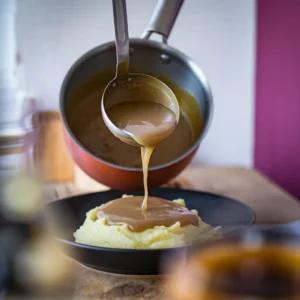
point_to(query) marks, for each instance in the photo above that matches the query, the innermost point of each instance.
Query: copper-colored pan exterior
(120, 178)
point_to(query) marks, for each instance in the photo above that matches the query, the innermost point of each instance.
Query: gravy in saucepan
(84, 117)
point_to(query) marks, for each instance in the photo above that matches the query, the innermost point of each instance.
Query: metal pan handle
(163, 18)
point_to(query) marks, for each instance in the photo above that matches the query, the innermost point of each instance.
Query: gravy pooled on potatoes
(160, 212)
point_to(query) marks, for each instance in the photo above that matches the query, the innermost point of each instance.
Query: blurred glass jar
(16, 140)
(259, 263)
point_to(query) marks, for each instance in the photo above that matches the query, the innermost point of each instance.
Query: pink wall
(277, 132)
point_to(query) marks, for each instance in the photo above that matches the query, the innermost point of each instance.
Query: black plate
(69, 215)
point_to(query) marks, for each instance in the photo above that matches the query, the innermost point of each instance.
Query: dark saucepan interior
(85, 121)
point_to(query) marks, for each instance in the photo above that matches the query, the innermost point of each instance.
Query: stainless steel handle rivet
(165, 59)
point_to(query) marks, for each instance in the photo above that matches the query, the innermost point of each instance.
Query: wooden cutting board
(270, 202)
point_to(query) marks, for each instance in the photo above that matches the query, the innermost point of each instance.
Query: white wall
(218, 35)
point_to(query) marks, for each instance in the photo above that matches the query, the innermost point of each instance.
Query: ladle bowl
(136, 87)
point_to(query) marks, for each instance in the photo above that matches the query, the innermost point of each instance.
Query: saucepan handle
(163, 18)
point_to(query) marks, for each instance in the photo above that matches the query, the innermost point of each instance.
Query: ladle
(131, 86)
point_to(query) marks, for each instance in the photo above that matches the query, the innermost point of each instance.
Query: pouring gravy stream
(92, 132)
(149, 123)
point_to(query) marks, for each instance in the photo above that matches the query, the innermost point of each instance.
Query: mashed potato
(97, 232)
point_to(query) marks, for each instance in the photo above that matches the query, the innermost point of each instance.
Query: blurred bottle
(9, 98)
(238, 271)
(51, 159)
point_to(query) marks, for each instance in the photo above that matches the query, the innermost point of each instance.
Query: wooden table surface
(270, 203)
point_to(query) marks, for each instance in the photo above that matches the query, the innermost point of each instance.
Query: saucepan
(149, 57)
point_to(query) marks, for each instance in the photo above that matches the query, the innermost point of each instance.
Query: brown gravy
(149, 123)
(84, 117)
(160, 212)
(87, 124)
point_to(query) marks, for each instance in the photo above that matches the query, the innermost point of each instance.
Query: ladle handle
(121, 33)
(163, 18)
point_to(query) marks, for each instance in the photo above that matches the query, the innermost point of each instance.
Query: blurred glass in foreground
(31, 262)
(258, 263)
